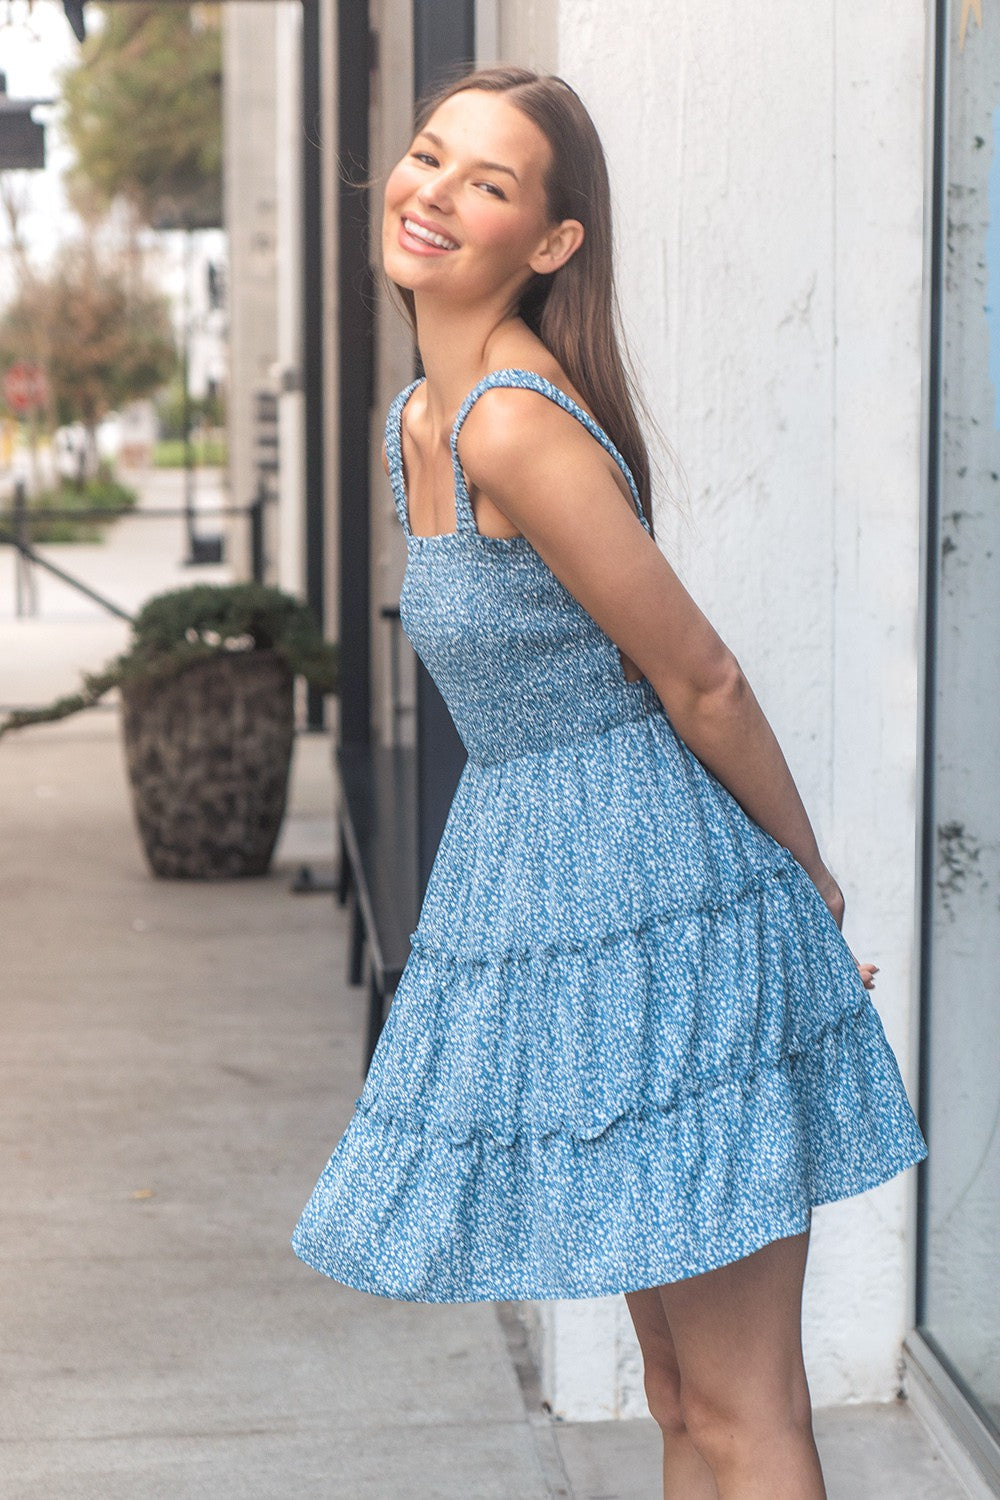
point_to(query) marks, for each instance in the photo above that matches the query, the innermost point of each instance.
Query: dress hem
(796, 1222)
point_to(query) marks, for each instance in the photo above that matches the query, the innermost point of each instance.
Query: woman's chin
(411, 273)
(404, 270)
(400, 276)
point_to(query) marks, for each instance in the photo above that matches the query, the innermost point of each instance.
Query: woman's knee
(663, 1396)
(721, 1423)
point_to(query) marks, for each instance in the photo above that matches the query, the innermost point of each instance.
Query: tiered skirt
(630, 1044)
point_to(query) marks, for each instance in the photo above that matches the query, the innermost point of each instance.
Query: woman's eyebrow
(490, 166)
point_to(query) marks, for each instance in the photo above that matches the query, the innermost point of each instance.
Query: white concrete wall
(262, 112)
(528, 33)
(768, 175)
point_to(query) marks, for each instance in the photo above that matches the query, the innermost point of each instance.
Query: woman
(630, 1049)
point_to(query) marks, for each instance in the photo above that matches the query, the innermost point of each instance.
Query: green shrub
(212, 452)
(102, 492)
(175, 630)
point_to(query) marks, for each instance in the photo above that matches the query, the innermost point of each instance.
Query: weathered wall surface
(768, 176)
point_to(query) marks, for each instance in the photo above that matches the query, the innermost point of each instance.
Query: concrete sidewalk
(180, 1060)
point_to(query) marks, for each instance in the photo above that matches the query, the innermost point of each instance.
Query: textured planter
(208, 755)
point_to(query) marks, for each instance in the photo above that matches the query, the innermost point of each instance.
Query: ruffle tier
(630, 1045)
(599, 835)
(657, 1196)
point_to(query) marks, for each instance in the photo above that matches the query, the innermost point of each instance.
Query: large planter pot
(208, 755)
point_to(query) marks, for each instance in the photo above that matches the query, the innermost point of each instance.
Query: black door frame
(444, 43)
(355, 364)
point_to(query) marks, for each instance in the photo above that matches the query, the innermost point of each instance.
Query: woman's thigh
(737, 1338)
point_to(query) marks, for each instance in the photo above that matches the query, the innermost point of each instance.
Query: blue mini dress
(630, 1043)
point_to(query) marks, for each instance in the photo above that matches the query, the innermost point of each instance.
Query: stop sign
(24, 387)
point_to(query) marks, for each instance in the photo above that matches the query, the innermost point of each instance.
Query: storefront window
(959, 1311)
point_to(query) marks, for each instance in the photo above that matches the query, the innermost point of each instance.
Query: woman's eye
(425, 156)
(491, 187)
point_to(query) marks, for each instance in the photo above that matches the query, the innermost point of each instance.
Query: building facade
(807, 206)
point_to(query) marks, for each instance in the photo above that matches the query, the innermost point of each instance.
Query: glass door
(959, 1272)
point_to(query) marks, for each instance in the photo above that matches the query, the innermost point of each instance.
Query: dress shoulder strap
(394, 452)
(528, 380)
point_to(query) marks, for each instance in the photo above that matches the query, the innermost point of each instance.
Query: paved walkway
(180, 1059)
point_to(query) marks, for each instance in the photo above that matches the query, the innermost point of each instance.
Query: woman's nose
(435, 191)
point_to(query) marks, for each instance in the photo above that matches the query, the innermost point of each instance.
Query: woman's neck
(456, 349)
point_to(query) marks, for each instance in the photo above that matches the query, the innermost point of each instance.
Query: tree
(102, 336)
(144, 113)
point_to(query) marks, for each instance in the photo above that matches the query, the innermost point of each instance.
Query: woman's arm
(542, 468)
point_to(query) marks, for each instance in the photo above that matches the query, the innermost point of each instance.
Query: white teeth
(420, 233)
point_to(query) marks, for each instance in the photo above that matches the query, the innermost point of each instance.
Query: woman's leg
(686, 1475)
(744, 1398)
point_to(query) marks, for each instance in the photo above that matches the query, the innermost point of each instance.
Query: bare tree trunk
(15, 200)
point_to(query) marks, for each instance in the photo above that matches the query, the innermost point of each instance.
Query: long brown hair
(574, 311)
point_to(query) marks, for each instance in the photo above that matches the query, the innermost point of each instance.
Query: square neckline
(507, 375)
(397, 466)
(404, 493)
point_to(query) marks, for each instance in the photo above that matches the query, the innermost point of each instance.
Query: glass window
(959, 1310)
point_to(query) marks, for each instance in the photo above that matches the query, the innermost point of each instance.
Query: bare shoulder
(516, 440)
(511, 423)
(513, 437)
(503, 416)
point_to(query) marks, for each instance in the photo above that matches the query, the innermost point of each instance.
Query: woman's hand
(832, 895)
(834, 898)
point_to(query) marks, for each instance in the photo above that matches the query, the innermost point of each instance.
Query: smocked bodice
(519, 662)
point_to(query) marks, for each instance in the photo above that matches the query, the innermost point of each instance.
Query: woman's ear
(559, 244)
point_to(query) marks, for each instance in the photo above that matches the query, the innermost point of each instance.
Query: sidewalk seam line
(550, 1460)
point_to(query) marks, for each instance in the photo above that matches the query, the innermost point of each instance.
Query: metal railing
(17, 524)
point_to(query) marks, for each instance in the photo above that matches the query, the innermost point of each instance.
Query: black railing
(17, 527)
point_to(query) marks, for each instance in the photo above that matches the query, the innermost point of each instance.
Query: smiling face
(466, 215)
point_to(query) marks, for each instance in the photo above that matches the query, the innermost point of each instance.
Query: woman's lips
(422, 239)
